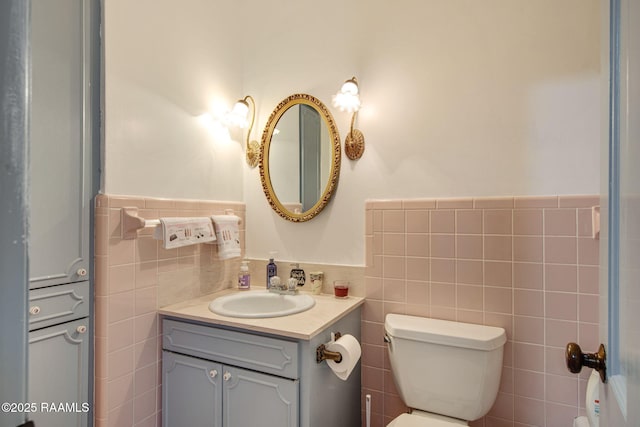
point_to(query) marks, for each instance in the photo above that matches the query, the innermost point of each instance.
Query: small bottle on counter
(316, 282)
(244, 277)
(272, 269)
(298, 274)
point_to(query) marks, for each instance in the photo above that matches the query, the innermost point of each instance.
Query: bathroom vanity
(224, 371)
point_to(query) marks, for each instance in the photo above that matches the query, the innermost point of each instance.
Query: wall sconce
(239, 117)
(348, 99)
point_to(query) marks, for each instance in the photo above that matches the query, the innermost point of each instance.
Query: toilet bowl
(447, 372)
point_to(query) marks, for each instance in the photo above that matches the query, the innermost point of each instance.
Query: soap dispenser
(272, 269)
(244, 277)
(298, 274)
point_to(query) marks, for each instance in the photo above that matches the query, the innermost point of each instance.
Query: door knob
(576, 359)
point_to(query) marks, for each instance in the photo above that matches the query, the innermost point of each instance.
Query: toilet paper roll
(580, 422)
(349, 347)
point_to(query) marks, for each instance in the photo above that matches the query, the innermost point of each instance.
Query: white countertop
(304, 325)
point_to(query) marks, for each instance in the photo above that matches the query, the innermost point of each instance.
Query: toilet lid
(414, 420)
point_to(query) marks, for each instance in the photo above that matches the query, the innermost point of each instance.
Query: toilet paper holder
(323, 354)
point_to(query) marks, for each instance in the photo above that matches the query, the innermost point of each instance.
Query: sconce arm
(353, 121)
(253, 115)
(252, 147)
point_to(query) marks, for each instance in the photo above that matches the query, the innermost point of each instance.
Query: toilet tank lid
(445, 332)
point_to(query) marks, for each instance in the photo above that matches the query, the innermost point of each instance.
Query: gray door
(255, 399)
(58, 361)
(620, 281)
(60, 160)
(14, 65)
(191, 394)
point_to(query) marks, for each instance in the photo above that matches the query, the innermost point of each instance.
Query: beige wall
(166, 63)
(460, 98)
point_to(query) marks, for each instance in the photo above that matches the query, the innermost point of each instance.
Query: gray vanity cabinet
(236, 379)
(198, 392)
(58, 374)
(214, 374)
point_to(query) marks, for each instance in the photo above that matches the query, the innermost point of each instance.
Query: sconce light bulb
(346, 102)
(238, 115)
(347, 99)
(349, 87)
(241, 109)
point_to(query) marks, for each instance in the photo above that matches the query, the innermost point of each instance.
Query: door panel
(620, 281)
(58, 360)
(60, 161)
(255, 399)
(191, 394)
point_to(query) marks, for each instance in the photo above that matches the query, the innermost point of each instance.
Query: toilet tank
(444, 367)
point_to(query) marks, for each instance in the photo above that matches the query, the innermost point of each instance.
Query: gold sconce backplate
(253, 153)
(354, 144)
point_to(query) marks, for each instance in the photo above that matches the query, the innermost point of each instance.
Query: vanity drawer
(58, 304)
(259, 353)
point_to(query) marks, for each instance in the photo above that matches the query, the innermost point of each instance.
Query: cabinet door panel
(58, 374)
(255, 399)
(191, 393)
(60, 144)
(58, 304)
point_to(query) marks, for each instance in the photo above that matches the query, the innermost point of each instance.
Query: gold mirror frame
(267, 134)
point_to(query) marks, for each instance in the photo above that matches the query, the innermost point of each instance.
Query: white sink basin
(255, 304)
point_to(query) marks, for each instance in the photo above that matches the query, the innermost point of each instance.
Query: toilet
(447, 372)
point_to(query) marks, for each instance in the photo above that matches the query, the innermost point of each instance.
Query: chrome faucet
(277, 287)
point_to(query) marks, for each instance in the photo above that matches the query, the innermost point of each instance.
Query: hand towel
(177, 232)
(228, 235)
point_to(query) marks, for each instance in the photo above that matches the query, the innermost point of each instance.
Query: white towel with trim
(228, 235)
(178, 232)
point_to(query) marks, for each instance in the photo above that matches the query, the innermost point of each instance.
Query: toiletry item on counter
(298, 273)
(272, 269)
(244, 277)
(341, 288)
(316, 282)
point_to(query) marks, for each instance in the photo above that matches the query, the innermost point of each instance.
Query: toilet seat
(425, 419)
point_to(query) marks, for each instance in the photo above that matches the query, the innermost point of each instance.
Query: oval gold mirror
(300, 157)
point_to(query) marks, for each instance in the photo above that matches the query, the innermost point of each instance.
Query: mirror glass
(300, 158)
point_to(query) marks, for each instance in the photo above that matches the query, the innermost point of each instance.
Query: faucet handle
(275, 282)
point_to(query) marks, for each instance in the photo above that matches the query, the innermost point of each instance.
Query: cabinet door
(255, 399)
(60, 146)
(191, 394)
(58, 374)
